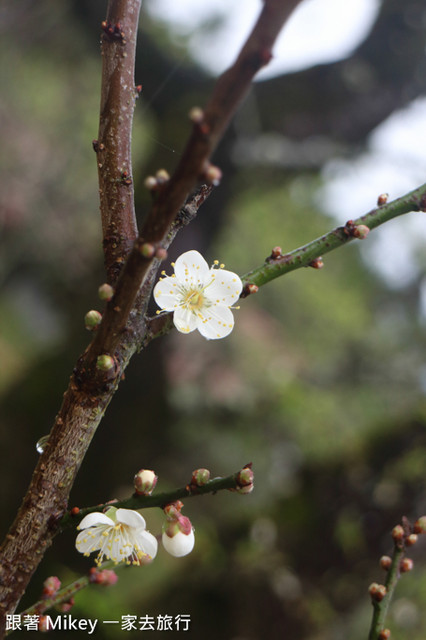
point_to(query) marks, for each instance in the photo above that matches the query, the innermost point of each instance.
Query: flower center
(194, 300)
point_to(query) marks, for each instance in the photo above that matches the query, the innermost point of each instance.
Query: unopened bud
(276, 253)
(150, 183)
(196, 115)
(64, 607)
(385, 562)
(145, 481)
(411, 539)
(104, 577)
(245, 477)
(178, 536)
(200, 477)
(317, 263)
(147, 250)
(51, 586)
(162, 176)
(105, 292)
(384, 634)
(161, 253)
(104, 362)
(398, 533)
(249, 289)
(406, 565)
(361, 231)
(382, 199)
(420, 525)
(213, 175)
(92, 319)
(377, 591)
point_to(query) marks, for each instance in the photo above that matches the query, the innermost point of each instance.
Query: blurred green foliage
(320, 385)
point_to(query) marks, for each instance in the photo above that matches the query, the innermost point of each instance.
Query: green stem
(157, 499)
(381, 608)
(303, 256)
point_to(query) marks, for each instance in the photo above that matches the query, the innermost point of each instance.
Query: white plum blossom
(200, 296)
(118, 534)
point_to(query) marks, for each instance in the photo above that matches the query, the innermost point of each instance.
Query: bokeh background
(322, 383)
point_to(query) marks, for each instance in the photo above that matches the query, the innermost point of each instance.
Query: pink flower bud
(145, 481)
(51, 586)
(200, 477)
(105, 292)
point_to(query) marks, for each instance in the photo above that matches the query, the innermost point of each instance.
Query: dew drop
(41, 444)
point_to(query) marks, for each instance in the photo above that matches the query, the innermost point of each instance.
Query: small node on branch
(125, 178)
(382, 199)
(138, 91)
(105, 362)
(113, 31)
(276, 253)
(92, 320)
(75, 511)
(377, 591)
(106, 292)
(316, 263)
(420, 525)
(406, 565)
(384, 634)
(249, 289)
(353, 230)
(212, 175)
(385, 562)
(144, 482)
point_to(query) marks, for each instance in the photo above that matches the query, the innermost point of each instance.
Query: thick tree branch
(113, 146)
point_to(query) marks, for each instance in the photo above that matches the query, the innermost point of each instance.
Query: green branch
(236, 482)
(277, 264)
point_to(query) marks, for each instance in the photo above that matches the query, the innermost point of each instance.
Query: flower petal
(166, 293)
(88, 541)
(225, 287)
(146, 542)
(180, 545)
(131, 518)
(217, 322)
(191, 268)
(94, 519)
(185, 320)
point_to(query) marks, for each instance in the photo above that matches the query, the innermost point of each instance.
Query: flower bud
(104, 577)
(406, 565)
(420, 525)
(147, 250)
(385, 562)
(384, 634)
(382, 199)
(145, 481)
(178, 536)
(213, 175)
(377, 591)
(104, 362)
(200, 477)
(162, 176)
(105, 292)
(398, 534)
(92, 319)
(150, 183)
(196, 115)
(51, 586)
(411, 539)
(245, 477)
(361, 231)
(64, 607)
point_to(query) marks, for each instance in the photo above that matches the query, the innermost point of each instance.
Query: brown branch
(113, 146)
(123, 325)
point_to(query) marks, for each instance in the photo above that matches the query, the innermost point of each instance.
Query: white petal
(166, 293)
(88, 541)
(131, 518)
(225, 287)
(146, 542)
(190, 268)
(185, 320)
(217, 322)
(180, 545)
(94, 519)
